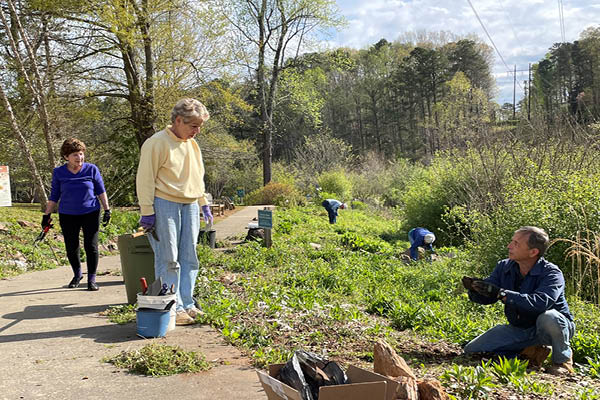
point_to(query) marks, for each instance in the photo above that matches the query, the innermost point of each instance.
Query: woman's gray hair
(189, 109)
(538, 238)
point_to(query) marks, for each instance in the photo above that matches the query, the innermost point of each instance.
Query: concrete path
(235, 224)
(53, 339)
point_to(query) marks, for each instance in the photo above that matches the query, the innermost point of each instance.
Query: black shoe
(93, 286)
(75, 282)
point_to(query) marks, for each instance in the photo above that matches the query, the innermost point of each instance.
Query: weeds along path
(53, 340)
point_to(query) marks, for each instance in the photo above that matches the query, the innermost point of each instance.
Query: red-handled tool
(144, 285)
(42, 235)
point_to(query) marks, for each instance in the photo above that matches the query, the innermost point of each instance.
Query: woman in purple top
(80, 188)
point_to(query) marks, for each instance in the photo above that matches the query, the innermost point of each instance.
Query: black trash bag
(255, 234)
(315, 371)
(291, 374)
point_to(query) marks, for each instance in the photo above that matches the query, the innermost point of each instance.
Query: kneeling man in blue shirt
(533, 292)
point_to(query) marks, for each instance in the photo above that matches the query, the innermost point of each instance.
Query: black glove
(46, 220)
(485, 288)
(468, 282)
(106, 218)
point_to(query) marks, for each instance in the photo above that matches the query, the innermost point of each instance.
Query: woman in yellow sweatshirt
(170, 189)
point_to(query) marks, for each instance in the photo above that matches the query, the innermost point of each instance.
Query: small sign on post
(5, 199)
(265, 221)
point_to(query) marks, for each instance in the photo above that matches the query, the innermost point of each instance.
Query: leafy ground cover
(335, 289)
(20, 225)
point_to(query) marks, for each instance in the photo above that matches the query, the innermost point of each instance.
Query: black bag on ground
(307, 372)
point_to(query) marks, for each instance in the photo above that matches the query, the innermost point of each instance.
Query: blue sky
(523, 30)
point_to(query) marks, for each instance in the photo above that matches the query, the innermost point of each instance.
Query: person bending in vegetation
(170, 185)
(332, 205)
(533, 292)
(80, 188)
(420, 237)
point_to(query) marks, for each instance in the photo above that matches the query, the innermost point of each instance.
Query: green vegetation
(21, 226)
(160, 360)
(355, 288)
(121, 314)
(468, 382)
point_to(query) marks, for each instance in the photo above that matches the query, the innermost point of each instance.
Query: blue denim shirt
(542, 289)
(416, 236)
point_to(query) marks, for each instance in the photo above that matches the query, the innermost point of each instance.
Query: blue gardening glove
(147, 221)
(207, 214)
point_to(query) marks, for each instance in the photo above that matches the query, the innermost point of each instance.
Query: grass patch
(21, 225)
(354, 288)
(160, 360)
(121, 314)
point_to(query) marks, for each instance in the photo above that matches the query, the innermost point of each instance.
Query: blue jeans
(551, 329)
(330, 211)
(175, 258)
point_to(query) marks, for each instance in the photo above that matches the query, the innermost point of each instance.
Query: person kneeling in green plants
(420, 237)
(533, 292)
(332, 205)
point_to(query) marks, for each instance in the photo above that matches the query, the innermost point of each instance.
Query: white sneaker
(194, 312)
(182, 318)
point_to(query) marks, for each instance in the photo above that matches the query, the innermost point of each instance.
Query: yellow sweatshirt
(170, 168)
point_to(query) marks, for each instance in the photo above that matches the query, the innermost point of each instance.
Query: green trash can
(137, 261)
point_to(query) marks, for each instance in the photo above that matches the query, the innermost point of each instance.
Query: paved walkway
(52, 341)
(236, 224)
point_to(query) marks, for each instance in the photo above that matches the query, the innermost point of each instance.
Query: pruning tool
(41, 237)
(143, 231)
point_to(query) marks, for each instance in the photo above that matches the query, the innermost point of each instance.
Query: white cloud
(523, 30)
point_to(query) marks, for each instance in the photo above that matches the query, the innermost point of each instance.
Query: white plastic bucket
(158, 303)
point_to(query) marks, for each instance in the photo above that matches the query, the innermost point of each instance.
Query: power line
(488, 35)
(561, 17)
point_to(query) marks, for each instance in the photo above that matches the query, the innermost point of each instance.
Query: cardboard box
(364, 385)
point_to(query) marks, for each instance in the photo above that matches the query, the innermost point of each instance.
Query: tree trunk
(36, 87)
(37, 179)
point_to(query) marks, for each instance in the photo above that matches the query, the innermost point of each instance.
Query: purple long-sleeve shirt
(78, 193)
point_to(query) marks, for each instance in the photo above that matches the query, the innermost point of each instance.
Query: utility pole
(529, 96)
(515, 93)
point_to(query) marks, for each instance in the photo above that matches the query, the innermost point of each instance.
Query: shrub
(358, 205)
(337, 183)
(279, 194)
(380, 181)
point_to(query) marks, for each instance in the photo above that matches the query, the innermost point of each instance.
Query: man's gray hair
(189, 109)
(538, 238)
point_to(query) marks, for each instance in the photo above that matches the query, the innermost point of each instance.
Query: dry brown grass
(584, 274)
